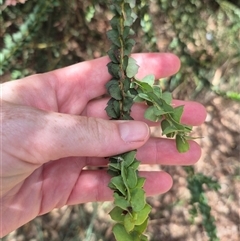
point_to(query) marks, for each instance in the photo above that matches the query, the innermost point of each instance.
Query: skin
(54, 124)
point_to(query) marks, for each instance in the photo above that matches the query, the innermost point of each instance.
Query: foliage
(206, 36)
(199, 200)
(27, 30)
(49, 35)
(131, 210)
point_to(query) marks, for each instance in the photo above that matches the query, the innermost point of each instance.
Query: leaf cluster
(161, 110)
(27, 30)
(122, 67)
(131, 210)
(199, 201)
(215, 47)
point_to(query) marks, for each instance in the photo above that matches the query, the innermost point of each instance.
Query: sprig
(131, 210)
(199, 202)
(161, 110)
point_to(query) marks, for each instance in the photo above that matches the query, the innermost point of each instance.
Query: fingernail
(133, 131)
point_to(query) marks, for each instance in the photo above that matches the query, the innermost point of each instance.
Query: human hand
(54, 124)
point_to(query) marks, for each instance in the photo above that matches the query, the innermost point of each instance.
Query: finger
(194, 113)
(92, 186)
(159, 151)
(164, 151)
(54, 135)
(91, 76)
(68, 89)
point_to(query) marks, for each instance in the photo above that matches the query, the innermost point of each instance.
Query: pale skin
(54, 124)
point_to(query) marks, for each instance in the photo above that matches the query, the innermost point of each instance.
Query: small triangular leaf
(132, 68)
(182, 144)
(149, 79)
(117, 214)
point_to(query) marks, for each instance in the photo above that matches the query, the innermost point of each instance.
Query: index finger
(91, 76)
(68, 89)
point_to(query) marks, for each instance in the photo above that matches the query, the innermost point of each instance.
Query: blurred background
(39, 36)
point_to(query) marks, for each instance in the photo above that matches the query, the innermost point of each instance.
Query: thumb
(50, 135)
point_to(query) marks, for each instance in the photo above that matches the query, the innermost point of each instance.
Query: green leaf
(113, 35)
(167, 97)
(141, 228)
(160, 102)
(117, 214)
(132, 68)
(145, 97)
(115, 22)
(8, 41)
(143, 215)
(112, 82)
(138, 199)
(177, 113)
(182, 144)
(126, 116)
(128, 222)
(119, 184)
(125, 63)
(111, 186)
(124, 177)
(160, 112)
(131, 2)
(113, 109)
(134, 16)
(114, 91)
(138, 99)
(116, 107)
(149, 79)
(114, 70)
(168, 129)
(157, 91)
(141, 181)
(129, 18)
(150, 114)
(120, 233)
(131, 177)
(115, 166)
(110, 111)
(143, 237)
(121, 201)
(17, 37)
(135, 165)
(126, 32)
(127, 103)
(129, 158)
(144, 86)
(164, 124)
(113, 173)
(128, 45)
(116, 8)
(126, 84)
(114, 55)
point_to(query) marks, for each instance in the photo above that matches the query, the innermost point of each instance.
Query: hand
(54, 124)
